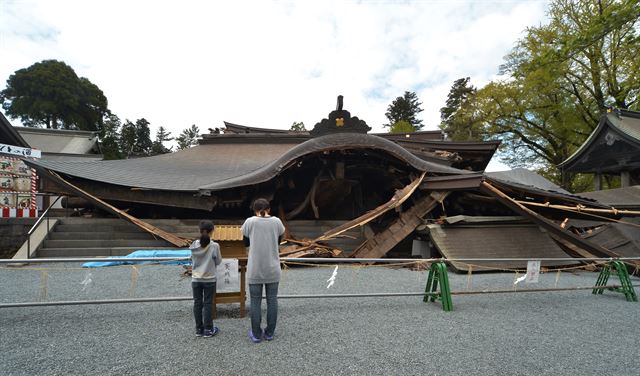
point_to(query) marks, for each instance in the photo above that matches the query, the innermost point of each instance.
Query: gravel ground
(501, 334)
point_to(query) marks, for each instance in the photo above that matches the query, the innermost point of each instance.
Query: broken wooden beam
(398, 198)
(548, 224)
(171, 238)
(581, 209)
(384, 241)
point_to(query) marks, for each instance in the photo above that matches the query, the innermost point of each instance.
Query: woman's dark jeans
(255, 290)
(203, 293)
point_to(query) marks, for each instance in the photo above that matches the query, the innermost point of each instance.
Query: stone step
(92, 251)
(97, 228)
(102, 243)
(96, 221)
(178, 229)
(76, 235)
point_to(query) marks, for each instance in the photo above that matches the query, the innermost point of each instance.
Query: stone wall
(13, 233)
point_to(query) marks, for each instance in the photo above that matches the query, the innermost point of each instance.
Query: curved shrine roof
(212, 167)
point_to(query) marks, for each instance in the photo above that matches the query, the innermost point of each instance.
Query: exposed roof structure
(9, 135)
(612, 147)
(619, 198)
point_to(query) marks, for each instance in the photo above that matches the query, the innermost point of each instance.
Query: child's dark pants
(203, 293)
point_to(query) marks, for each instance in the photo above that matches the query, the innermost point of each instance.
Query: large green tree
(49, 93)
(559, 80)
(135, 139)
(143, 138)
(110, 137)
(407, 107)
(460, 116)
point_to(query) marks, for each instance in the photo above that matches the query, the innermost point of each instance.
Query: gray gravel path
(505, 334)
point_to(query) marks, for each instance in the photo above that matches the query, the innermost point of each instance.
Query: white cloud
(265, 63)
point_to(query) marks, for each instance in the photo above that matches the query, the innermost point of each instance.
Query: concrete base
(13, 232)
(37, 238)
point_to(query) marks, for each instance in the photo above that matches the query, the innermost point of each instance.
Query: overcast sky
(262, 63)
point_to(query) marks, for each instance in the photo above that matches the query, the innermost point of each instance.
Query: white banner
(228, 276)
(20, 151)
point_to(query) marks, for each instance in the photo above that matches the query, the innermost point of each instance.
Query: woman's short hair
(261, 206)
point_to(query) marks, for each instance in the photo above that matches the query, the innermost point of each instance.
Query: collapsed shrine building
(342, 191)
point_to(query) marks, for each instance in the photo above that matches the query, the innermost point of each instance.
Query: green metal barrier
(625, 283)
(438, 275)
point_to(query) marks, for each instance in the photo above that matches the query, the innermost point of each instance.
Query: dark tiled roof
(495, 241)
(525, 177)
(220, 166)
(180, 171)
(521, 179)
(617, 237)
(619, 198)
(331, 142)
(624, 121)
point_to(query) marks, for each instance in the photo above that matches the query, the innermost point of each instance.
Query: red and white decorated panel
(18, 182)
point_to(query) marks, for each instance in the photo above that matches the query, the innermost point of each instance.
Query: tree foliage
(557, 82)
(135, 139)
(49, 93)
(461, 116)
(188, 137)
(298, 127)
(402, 126)
(407, 107)
(110, 137)
(162, 136)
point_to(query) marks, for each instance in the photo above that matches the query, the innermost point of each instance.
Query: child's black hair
(205, 238)
(206, 225)
(261, 206)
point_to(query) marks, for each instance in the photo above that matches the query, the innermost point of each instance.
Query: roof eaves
(585, 145)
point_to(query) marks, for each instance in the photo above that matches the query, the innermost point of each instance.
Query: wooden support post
(625, 179)
(597, 181)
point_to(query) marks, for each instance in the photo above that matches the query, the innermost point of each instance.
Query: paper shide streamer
(332, 279)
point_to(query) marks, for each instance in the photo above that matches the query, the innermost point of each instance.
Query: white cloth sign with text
(227, 276)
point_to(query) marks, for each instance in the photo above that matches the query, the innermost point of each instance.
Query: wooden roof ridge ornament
(340, 121)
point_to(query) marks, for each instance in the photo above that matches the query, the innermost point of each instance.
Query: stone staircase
(87, 237)
(96, 237)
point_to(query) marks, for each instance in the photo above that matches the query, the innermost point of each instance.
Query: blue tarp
(145, 253)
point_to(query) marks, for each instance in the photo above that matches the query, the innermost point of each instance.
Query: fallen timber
(314, 247)
(549, 225)
(402, 227)
(169, 237)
